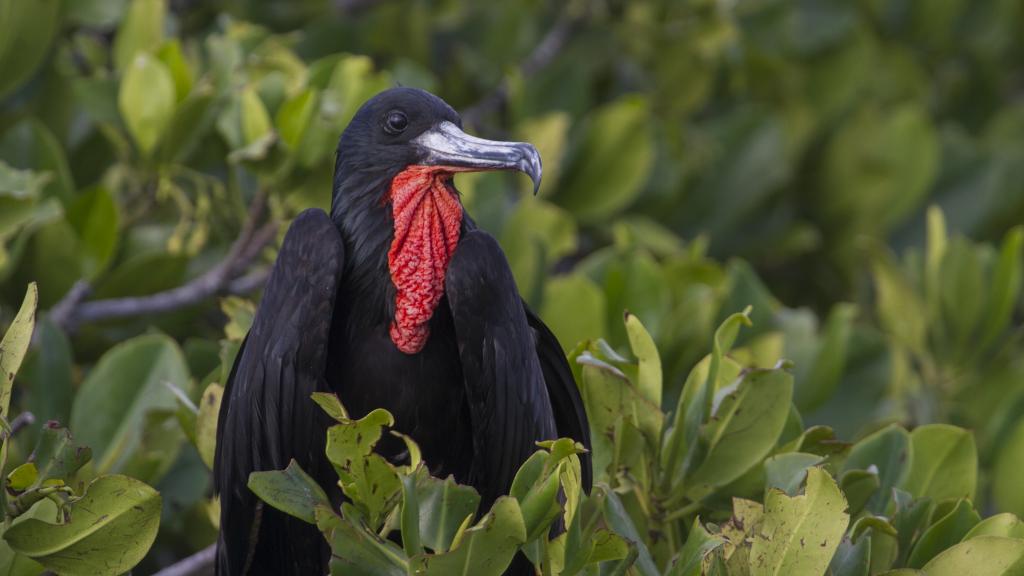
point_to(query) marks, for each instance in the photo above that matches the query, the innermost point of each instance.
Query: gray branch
(200, 563)
(225, 277)
(541, 57)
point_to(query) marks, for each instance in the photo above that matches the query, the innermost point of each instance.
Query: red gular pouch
(427, 219)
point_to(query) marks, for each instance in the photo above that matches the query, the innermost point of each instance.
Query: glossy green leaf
(693, 558)
(485, 549)
(744, 428)
(291, 491)
(206, 423)
(96, 220)
(126, 384)
(366, 478)
(57, 456)
(141, 31)
(1006, 524)
(612, 162)
(443, 505)
(788, 471)
(945, 464)
(14, 346)
(890, 452)
(618, 520)
(28, 29)
(799, 535)
(944, 533)
(146, 100)
(852, 558)
(573, 307)
(983, 556)
(111, 529)
(649, 379)
(1006, 475)
(356, 551)
(859, 486)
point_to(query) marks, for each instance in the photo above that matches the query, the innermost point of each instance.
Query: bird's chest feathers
(427, 220)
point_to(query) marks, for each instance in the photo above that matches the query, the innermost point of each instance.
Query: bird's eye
(395, 122)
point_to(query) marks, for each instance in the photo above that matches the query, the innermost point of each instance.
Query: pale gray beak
(447, 145)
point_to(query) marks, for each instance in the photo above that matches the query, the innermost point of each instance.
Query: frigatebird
(396, 300)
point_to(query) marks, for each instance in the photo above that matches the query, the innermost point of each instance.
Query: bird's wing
(566, 402)
(510, 408)
(267, 417)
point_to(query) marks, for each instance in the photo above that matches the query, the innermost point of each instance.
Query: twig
(199, 563)
(542, 55)
(22, 420)
(71, 311)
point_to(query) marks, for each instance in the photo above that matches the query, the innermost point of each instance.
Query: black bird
(397, 300)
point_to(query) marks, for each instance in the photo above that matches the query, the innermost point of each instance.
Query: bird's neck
(400, 233)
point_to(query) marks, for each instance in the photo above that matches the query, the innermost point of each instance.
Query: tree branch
(199, 563)
(550, 46)
(73, 311)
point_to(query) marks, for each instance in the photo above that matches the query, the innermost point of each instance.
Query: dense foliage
(701, 156)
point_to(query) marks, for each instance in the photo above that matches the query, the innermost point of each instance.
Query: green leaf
(111, 529)
(818, 384)
(852, 559)
(743, 429)
(330, 403)
(573, 307)
(649, 379)
(410, 520)
(14, 346)
(366, 478)
(443, 505)
(788, 471)
(859, 486)
(126, 384)
(22, 477)
(240, 313)
(692, 559)
(612, 162)
(618, 520)
(963, 286)
(984, 556)
(1006, 474)
(96, 220)
(357, 551)
(486, 549)
(910, 520)
(945, 464)
(28, 29)
(535, 487)
(31, 145)
(944, 533)
(50, 373)
(57, 456)
(146, 100)
(799, 535)
(206, 423)
(291, 491)
(170, 54)
(294, 116)
(1006, 524)
(255, 119)
(678, 453)
(890, 452)
(1005, 288)
(141, 31)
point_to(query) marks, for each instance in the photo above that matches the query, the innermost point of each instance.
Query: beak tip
(532, 167)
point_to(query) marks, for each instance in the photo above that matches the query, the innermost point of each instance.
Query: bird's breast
(424, 390)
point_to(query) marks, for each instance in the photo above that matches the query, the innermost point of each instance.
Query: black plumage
(489, 382)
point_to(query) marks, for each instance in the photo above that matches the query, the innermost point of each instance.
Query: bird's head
(393, 181)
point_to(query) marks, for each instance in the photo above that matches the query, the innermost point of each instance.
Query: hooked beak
(447, 145)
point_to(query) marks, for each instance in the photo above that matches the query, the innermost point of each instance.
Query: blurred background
(853, 169)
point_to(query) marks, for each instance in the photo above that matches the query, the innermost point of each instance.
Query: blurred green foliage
(700, 156)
